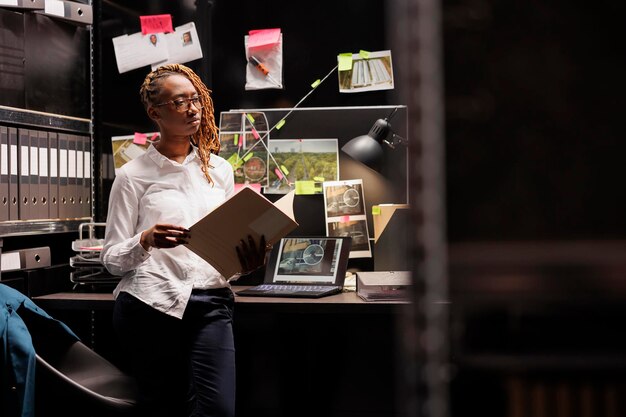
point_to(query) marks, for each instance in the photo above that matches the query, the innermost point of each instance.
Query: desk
(331, 356)
(342, 302)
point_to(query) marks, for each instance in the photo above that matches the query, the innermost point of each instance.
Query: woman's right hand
(164, 236)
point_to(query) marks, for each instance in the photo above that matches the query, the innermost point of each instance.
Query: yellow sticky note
(375, 210)
(249, 117)
(305, 187)
(284, 169)
(280, 124)
(234, 161)
(248, 156)
(364, 54)
(345, 61)
(318, 179)
(316, 83)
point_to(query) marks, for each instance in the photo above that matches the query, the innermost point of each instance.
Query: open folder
(216, 237)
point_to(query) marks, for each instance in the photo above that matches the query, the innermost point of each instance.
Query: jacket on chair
(17, 353)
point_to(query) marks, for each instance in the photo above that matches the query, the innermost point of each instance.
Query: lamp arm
(393, 112)
(395, 141)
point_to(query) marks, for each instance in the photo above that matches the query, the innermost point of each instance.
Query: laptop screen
(309, 260)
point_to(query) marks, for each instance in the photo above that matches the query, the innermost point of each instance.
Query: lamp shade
(368, 149)
(364, 149)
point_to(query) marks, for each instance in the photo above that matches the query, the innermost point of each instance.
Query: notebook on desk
(309, 267)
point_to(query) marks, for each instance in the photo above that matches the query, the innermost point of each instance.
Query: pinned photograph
(357, 230)
(182, 45)
(138, 50)
(187, 39)
(370, 71)
(344, 199)
(345, 214)
(243, 140)
(302, 164)
(154, 39)
(125, 148)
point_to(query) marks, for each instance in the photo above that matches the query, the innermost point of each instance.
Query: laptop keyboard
(293, 288)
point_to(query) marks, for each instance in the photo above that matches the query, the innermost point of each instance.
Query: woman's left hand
(252, 256)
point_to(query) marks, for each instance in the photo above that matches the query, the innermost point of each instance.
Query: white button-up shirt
(154, 189)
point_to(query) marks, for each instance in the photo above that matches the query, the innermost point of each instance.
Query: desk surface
(345, 301)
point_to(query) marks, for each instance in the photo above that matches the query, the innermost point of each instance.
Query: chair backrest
(79, 380)
(70, 378)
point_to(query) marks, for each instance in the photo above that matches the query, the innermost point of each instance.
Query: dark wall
(534, 108)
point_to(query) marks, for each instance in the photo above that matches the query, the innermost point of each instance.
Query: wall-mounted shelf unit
(46, 122)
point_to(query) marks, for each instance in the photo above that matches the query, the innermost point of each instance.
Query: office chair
(75, 380)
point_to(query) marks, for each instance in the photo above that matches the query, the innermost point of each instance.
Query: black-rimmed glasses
(181, 105)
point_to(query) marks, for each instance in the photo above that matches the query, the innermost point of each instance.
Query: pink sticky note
(140, 138)
(154, 137)
(255, 133)
(278, 173)
(344, 219)
(156, 23)
(255, 187)
(263, 37)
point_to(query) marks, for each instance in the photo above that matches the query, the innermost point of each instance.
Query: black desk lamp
(368, 149)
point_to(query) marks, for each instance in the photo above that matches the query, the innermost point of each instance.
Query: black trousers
(183, 367)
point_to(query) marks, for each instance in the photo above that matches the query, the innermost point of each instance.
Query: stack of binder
(44, 175)
(86, 265)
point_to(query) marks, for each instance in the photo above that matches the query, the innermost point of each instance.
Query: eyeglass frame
(198, 104)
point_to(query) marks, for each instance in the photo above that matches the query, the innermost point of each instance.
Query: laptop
(308, 267)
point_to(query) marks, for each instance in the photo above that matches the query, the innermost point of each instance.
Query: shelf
(38, 119)
(31, 227)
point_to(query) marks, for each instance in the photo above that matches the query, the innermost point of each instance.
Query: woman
(173, 311)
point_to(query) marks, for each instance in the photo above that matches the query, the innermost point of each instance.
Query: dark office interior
(517, 235)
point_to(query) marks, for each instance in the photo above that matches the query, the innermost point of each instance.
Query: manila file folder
(392, 236)
(215, 237)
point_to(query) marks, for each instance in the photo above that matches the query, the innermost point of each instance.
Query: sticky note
(318, 179)
(248, 156)
(344, 219)
(284, 169)
(254, 187)
(263, 37)
(364, 54)
(234, 161)
(316, 83)
(154, 136)
(345, 61)
(236, 139)
(156, 23)
(375, 210)
(278, 173)
(140, 138)
(249, 117)
(280, 124)
(255, 133)
(305, 187)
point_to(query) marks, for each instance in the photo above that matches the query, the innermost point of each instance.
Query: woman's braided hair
(206, 138)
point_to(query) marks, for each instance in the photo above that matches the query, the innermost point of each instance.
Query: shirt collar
(160, 159)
